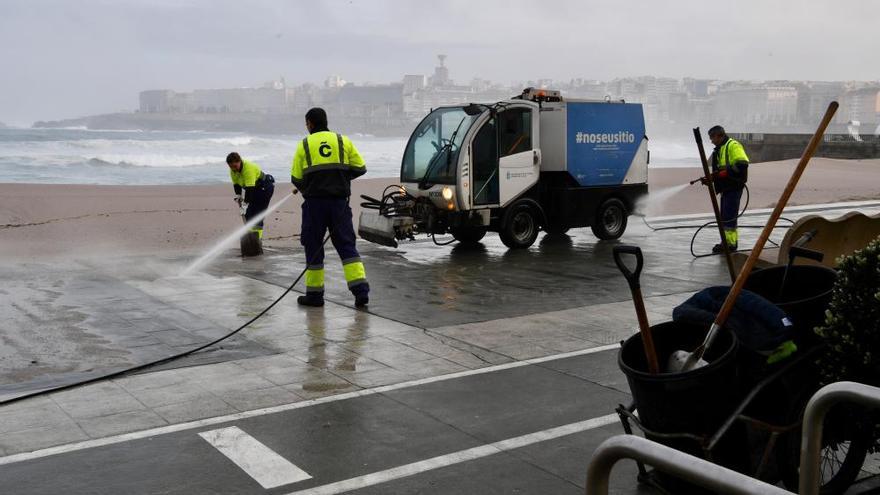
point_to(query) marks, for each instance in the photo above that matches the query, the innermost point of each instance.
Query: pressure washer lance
(721, 174)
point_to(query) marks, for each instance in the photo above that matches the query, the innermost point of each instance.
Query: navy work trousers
(259, 201)
(320, 214)
(730, 207)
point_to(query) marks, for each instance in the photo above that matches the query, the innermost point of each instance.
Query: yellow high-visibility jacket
(324, 165)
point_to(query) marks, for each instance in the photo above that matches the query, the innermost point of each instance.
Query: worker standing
(253, 189)
(730, 171)
(323, 167)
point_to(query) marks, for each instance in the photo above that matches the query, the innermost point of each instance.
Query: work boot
(718, 248)
(361, 294)
(308, 300)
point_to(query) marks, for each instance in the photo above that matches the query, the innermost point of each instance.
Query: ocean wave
(97, 162)
(70, 128)
(118, 131)
(220, 144)
(158, 160)
(233, 141)
(100, 157)
(128, 162)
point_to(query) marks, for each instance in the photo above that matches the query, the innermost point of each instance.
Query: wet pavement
(433, 369)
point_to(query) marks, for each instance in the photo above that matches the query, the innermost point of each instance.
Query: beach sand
(825, 180)
(63, 221)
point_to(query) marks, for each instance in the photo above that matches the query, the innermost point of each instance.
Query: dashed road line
(261, 463)
(457, 457)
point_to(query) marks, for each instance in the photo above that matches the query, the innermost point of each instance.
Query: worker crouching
(253, 192)
(323, 167)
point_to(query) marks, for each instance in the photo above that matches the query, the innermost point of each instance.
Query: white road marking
(457, 457)
(268, 468)
(764, 211)
(125, 437)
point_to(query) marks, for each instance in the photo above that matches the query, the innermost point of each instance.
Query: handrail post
(675, 462)
(814, 415)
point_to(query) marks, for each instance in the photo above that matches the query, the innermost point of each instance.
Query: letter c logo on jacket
(324, 150)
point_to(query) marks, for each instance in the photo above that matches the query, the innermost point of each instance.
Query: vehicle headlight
(447, 193)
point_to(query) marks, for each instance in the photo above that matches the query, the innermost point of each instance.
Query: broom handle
(714, 201)
(645, 329)
(727, 307)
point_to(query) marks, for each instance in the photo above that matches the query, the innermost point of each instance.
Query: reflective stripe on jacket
(730, 156)
(324, 165)
(731, 153)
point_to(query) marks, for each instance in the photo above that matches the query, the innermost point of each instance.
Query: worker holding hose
(253, 189)
(730, 171)
(323, 167)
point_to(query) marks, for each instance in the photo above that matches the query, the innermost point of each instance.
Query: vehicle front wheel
(521, 228)
(610, 221)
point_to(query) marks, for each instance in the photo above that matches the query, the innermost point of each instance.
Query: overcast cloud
(79, 57)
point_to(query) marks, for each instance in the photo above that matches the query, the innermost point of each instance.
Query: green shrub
(852, 322)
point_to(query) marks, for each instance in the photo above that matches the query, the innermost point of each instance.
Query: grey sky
(66, 58)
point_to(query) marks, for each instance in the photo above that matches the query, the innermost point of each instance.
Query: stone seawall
(771, 147)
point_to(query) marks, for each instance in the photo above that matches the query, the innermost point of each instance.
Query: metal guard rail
(814, 416)
(721, 479)
(669, 460)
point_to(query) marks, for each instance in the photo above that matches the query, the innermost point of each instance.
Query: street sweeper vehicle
(537, 161)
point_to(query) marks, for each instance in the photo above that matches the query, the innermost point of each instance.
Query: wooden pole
(729, 302)
(714, 199)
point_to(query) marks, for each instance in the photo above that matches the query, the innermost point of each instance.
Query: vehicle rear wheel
(521, 228)
(610, 221)
(469, 235)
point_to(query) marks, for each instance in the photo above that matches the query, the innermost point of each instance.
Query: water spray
(141, 367)
(215, 251)
(656, 198)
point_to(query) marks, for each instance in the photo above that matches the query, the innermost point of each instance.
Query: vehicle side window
(516, 131)
(485, 151)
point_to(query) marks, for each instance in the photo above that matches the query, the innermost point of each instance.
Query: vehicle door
(519, 156)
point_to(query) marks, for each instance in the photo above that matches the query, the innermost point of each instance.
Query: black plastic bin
(805, 296)
(695, 402)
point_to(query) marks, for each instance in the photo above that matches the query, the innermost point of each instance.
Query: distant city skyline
(668, 103)
(575, 87)
(69, 59)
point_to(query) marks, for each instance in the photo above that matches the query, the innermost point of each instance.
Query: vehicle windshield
(431, 155)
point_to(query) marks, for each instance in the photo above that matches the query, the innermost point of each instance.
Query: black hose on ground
(713, 222)
(434, 238)
(141, 367)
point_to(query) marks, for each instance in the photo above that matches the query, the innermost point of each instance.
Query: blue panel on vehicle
(602, 140)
